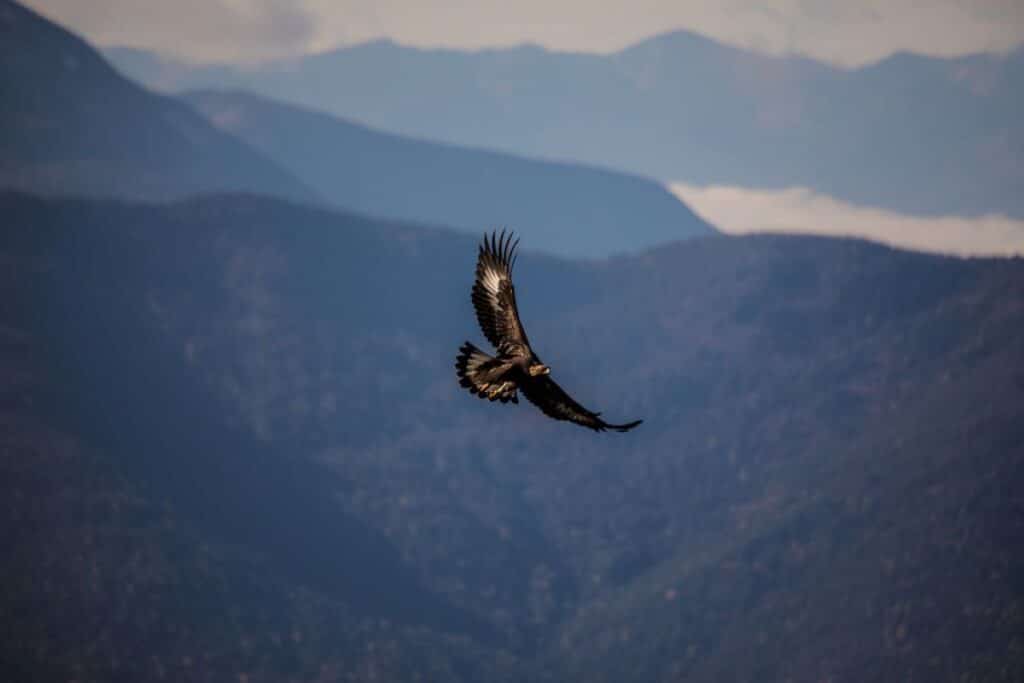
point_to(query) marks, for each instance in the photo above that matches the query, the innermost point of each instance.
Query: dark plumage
(515, 367)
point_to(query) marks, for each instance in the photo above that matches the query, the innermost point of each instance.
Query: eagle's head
(538, 369)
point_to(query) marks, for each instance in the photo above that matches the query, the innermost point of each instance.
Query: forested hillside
(235, 445)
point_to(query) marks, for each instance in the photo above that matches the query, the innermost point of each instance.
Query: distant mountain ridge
(71, 125)
(916, 134)
(562, 209)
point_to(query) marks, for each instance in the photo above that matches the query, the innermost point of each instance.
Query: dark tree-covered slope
(234, 444)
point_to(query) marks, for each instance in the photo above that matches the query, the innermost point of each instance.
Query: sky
(839, 31)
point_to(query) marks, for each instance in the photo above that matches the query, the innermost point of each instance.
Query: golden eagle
(515, 367)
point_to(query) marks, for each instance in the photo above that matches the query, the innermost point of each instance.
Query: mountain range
(916, 134)
(233, 447)
(71, 125)
(558, 208)
(238, 449)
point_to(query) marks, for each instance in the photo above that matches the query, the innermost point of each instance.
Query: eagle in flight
(515, 367)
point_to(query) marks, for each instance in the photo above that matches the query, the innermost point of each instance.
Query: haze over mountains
(916, 134)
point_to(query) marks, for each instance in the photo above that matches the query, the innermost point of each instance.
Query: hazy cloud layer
(835, 30)
(196, 29)
(738, 210)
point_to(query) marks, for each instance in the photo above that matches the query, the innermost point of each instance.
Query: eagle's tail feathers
(483, 375)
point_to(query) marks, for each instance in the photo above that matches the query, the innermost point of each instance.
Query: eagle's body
(515, 367)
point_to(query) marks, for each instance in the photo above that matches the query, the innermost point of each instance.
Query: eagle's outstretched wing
(554, 402)
(494, 298)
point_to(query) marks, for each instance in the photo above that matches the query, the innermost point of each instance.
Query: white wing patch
(491, 280)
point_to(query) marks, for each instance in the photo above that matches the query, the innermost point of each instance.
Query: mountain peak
(32, 47)
(679, 36)
(73, 125)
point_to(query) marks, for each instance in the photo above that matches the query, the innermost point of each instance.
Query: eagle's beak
(537, 370)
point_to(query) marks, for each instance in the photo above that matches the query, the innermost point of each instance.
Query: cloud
(835, 30)
(738, 210)
(200, 30)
